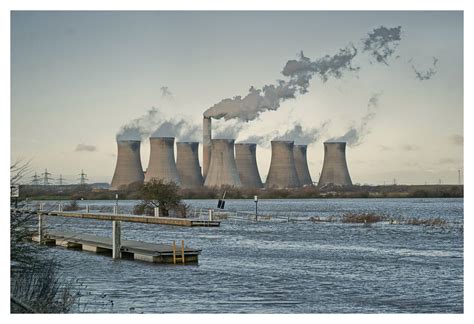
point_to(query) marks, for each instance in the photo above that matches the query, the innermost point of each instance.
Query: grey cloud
(409, 147)
(86, 148)
(457, 139)
(165, 92)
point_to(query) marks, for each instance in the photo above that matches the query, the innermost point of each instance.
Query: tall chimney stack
(222, 168)
(282, 173)
(206, 145)
(129, 166)
(301, 164)
(187, 163)
(335, 169)
(162, 165)
(246, 160)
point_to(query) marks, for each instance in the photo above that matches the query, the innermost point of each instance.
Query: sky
(78, 77)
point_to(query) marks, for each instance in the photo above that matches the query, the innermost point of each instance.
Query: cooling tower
(335, 166)
(129, 166)
(301, 164)
(222, 168)
(282, 173)
(162, 165)
(206, 145)
(246, 161)
(187, 163)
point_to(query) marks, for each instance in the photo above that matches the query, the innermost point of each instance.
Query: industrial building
(301, 164)
(282, 172)
(187, 163)
(335, 169)
(246, 161)
(129, 166)
(222, 167)
(162, 165)
(226, 164)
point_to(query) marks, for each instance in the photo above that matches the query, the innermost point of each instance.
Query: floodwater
(280, 266)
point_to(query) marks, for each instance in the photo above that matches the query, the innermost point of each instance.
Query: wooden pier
(152, 252)
(134, 250)
(187, 222)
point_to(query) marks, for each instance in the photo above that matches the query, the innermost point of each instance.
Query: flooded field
(279, 266)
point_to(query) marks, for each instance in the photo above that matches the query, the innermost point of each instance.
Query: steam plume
(381, 43)
(302, 136)
(355, 135)
(427, 74)
(155, 124)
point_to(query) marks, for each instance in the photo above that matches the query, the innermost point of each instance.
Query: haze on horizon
(78, 77)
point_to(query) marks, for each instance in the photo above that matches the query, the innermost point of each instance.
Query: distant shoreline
(87, 192)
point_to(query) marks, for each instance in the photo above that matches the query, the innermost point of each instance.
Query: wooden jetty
(134, 250)
(187, 222)
(157, 253)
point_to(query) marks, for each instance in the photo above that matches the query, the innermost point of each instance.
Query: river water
(280, 266)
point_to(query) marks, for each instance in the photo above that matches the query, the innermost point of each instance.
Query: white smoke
(302, 136)
(155, 124)
(381, 43)
(356, 134)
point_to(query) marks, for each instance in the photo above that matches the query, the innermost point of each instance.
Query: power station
(226, 164)
(335, 169)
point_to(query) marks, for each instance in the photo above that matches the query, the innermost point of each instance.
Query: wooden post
(87, 209)
(157, 212)
(40, 228)
(60, 207)
(174, 252)
(115, 211)
(182, 251)
(211, 213)
(116, 240)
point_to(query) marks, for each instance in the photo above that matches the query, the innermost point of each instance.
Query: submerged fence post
(40, 228)
(211, 214)
(115, 211)
(116, 240)
(182, 251)
(60, 207)
(174, 252)
(87, 209)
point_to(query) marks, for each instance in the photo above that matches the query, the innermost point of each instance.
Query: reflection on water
(279, 267)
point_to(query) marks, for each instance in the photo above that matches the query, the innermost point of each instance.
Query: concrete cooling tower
(335, 166)
(246, 161)
(301, 164)
(129, 166)
(222, 167)
(162, 165)
(282, 173)
(187, 163)
(206, 145)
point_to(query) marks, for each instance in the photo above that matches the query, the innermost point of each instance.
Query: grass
(366, 218)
